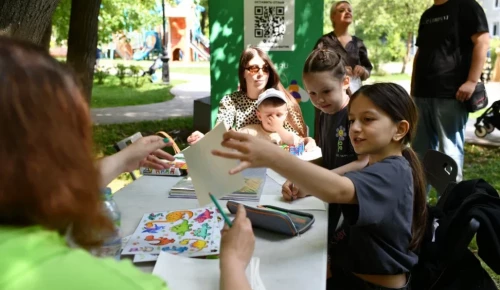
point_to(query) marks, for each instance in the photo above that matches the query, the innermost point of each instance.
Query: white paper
(311, 155)
(269, 24)
(210, 174)
(145, 258)
(276, 176)
(306, 203)
(355, 84)
(195, 274)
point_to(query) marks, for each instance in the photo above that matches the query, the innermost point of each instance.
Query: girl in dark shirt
(351, 48)
(384, 204)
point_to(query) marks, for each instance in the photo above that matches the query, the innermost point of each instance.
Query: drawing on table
(175, 250)
(154, 216)
(198, 244)
(198, 228)
(177, 215)
(161, 241)
(202, 232)
(153, 230)
(181, 228)
(204, 216)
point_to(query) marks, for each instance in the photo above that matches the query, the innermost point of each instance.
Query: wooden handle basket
(174, 145)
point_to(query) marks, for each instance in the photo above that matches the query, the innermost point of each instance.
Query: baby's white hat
(271, 93)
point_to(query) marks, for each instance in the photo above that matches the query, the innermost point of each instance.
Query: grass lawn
(106, 135)
(201, 70)
(389, 78)
(112, 94)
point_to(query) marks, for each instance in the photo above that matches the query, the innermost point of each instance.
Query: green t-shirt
(35, 258)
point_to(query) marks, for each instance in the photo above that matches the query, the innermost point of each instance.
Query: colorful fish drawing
(161, 240)
(171, 217)
(177, 215)
(153, 230)
(177, 250)
(181, 228)
(202, 232)
(204, 216)
(154, 216)
(198, 244)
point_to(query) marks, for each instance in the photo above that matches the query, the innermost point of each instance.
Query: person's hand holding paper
(209, 173)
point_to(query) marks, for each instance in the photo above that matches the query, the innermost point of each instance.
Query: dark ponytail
(419, 198)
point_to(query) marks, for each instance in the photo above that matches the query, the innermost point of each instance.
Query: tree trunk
(82, 41)
(26, 19)
(46, 36)
(203, 21)
(406, 58)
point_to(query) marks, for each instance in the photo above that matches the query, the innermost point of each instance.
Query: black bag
(478, 100)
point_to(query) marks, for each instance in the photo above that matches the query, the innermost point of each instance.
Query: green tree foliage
(114, 16)
(389, 27)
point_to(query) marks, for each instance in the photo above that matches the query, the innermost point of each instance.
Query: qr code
(269, 21)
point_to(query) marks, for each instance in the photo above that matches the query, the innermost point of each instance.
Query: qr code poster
(269, 24)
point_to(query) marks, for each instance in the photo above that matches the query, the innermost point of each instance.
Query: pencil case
(276, 219)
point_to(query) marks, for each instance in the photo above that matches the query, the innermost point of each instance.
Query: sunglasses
(253, 69)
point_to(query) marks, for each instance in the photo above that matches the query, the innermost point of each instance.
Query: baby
(272, 111)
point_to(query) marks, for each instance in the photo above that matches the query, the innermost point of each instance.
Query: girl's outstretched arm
(320, 182)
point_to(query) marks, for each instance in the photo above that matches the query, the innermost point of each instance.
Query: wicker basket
(174, 145)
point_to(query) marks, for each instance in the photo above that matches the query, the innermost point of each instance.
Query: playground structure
(186, 41)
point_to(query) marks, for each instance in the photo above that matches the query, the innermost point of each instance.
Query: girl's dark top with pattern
(354, 53)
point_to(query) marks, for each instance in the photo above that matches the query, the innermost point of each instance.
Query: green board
(227, 43)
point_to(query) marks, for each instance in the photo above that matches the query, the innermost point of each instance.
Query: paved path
(198, 86)
(181, 105)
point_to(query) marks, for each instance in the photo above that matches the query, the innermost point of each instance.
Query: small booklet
(249, 192)
(195, 274)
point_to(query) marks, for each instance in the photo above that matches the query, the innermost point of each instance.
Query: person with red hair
(50, 205)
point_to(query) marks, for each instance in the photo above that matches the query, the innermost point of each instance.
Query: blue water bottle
(112, 245)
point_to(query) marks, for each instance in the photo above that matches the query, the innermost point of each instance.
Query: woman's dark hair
(247, 56)
(397, 103)
(48, 175)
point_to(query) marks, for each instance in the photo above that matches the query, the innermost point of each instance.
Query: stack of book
(250, 192)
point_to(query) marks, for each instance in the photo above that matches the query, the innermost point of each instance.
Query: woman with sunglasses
(256, 74)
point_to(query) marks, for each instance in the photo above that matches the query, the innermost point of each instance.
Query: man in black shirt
(452, 43)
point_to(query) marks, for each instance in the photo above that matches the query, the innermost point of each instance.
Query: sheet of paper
(276, 176)
(145, 258)
(194, 274)
(311, 155)
(306, 203)
(190, 232)
(210, 174)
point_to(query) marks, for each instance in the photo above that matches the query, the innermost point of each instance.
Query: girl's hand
(309, 144)
(291, 192)
(348, 70)
(238, 242)
(359, 71)
(195, 137)
(145, 152)
(250, 150)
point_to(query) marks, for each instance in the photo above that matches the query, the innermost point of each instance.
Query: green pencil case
(276, 219)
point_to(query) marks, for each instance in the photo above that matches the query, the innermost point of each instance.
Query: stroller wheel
(481, 132)
(489, 127)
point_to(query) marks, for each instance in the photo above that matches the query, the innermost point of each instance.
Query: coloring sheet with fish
(192, 233)
(209, 173)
